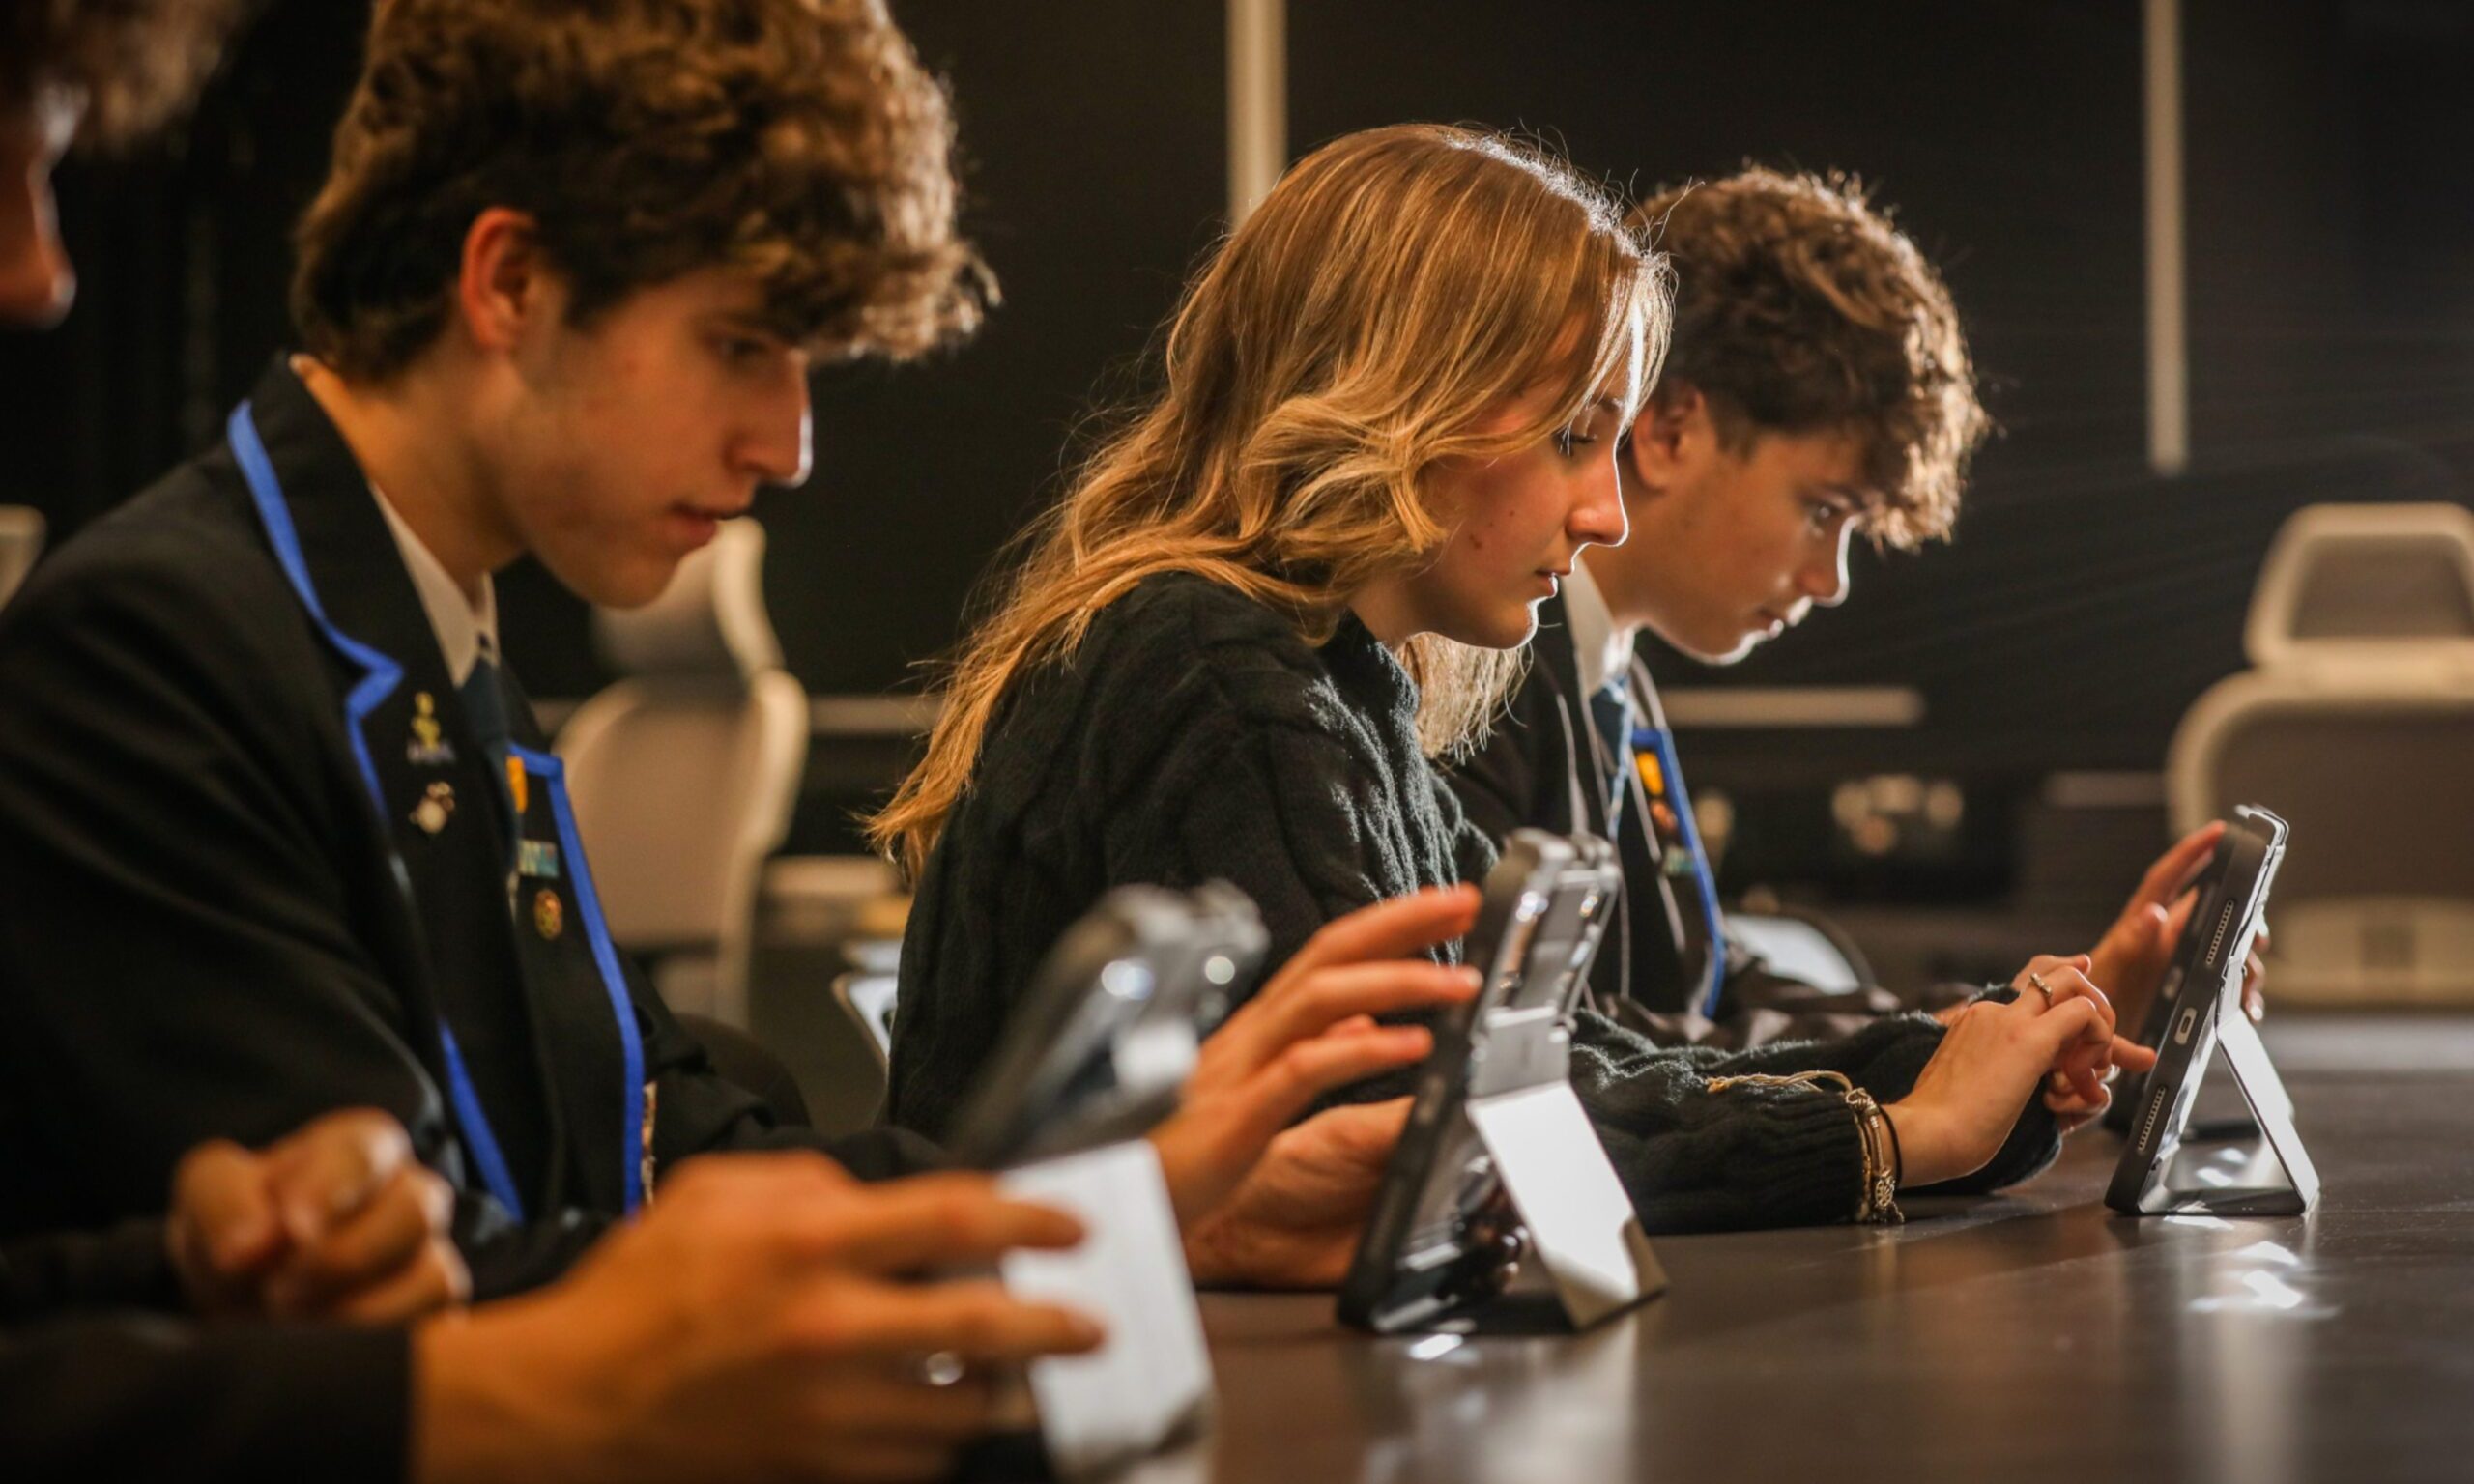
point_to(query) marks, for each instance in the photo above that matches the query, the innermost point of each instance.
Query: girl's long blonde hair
(1393, 292)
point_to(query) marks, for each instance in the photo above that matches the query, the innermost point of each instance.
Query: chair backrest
(1802, 945)
(685, 774)
(2346, 587)
(2356, 726)
(21, 532)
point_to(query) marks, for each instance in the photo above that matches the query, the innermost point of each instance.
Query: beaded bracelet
(1877, 1201)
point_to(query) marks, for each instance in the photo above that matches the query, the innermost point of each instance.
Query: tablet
(2185, 963)
(1100, 1046)
(1446, 1236)
(2197, 1008)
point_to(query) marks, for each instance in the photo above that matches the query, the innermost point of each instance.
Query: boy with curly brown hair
(278, 832)
(1817, 387)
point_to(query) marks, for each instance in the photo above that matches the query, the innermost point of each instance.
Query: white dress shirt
(1604, 651)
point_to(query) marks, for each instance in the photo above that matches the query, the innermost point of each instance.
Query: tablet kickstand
(1580, 1222)
(2273, 1177)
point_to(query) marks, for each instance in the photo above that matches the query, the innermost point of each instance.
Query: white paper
(1154, 1374)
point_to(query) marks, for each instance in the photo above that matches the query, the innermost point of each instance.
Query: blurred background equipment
(2357, 718)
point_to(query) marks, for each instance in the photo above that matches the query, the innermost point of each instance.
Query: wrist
(1193, 1191)
(1923, 1151)
(492, 1403)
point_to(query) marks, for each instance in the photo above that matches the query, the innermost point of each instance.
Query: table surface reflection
(2033, 1335)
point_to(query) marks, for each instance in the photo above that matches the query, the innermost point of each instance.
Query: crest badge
(428, 747)
(436, 808)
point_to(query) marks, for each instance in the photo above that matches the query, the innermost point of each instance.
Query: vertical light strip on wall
(1258, 100)
(2169, 347)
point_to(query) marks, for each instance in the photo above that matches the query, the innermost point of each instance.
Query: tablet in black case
(2197, 1010)
(1447, 1233)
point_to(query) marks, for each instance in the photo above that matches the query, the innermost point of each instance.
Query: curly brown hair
(136, 62)
(796, 140)
(1799, 307)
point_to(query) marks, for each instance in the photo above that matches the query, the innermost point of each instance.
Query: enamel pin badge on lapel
(436, 808)
(536, 858)
(428, 747)
(549, 917)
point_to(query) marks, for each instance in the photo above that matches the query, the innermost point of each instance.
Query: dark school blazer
(1536, 769)
(226, 731)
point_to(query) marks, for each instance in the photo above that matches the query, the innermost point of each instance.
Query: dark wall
(2008, 136)
(1095, 148)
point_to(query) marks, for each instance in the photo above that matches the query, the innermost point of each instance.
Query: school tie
(486, 711)
(1610, 715)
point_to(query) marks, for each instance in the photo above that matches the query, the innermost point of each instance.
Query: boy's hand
(337, 1221)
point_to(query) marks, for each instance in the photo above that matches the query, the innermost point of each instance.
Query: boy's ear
(503, 280)
(1667, 434)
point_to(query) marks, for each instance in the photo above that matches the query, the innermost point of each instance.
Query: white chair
(868, 1000)
(21, 530)
(2357, 725)
(685, 773)
(1802, 945)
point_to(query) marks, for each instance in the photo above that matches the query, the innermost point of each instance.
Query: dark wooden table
(2031, 1336)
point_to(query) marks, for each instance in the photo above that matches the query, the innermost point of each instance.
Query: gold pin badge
(549, 917)
(436, 808)
(519, 785)
(428, 747)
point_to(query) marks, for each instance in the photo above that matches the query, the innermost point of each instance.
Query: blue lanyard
(382, 675)
(1658, 743)
(632, 1169)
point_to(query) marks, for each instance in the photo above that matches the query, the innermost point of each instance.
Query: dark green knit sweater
(1193, 735)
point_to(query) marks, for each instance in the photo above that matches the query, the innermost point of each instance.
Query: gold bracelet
(1880, 1161)
(1877, 1201)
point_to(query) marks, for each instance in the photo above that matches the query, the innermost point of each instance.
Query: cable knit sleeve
(1743, 1156)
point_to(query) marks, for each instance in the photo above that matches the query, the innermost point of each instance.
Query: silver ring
(2036, 982)
(941, 1368)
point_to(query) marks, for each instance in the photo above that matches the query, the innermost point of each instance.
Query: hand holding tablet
(1992, 1058)
(2195, 1014)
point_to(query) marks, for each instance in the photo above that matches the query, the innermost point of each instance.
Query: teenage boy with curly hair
(306, 1259)
(1817, 387)
(277, 834)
